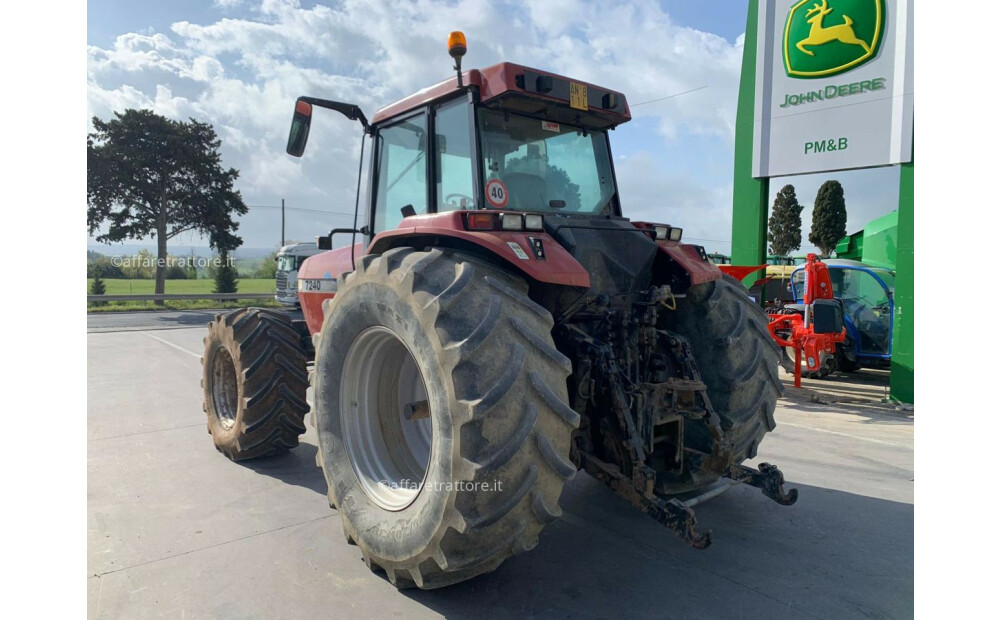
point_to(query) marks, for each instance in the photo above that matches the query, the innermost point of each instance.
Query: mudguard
(688, 258)
(318, 274)
(318, 281)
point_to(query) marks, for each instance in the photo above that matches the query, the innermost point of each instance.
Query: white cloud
(242, 72)
(652, 195)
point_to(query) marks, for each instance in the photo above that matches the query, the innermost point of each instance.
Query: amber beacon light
(457, 49)
(456, 44)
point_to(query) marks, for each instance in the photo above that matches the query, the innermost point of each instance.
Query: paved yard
(176, 530)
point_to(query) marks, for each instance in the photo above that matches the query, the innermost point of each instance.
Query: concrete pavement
(177, 530)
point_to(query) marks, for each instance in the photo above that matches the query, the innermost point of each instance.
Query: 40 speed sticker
(496, 194)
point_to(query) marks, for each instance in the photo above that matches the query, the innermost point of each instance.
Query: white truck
(286, 279)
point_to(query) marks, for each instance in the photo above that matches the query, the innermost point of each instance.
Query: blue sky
(239, 64)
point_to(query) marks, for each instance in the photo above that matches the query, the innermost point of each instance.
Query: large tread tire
(254, 381)
(496, 385)
(738, 361)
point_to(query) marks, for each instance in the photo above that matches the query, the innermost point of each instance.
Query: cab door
(401, 169)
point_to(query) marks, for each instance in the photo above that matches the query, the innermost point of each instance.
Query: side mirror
(299, 133)
(326, 243)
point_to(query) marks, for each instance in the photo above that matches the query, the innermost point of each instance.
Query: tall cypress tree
(784, 228)
(829, 220)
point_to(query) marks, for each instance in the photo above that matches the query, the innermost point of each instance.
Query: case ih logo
(822, 40)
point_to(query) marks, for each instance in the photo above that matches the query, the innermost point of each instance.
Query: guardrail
(180, 297)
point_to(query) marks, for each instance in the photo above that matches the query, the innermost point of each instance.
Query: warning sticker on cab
(496, 194)
(518, 250)
(550, 126)
(577, 96)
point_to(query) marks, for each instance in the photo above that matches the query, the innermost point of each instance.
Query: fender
(689, 258)
(557, 267)
(318, 274)
(318, 281)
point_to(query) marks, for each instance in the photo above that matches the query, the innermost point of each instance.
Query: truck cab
(290, 259)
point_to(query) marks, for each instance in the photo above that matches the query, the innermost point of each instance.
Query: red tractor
(494, 325)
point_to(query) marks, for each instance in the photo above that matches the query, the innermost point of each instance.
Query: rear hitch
(768, 479)
(679, 518)
(639, 492)
(679, 515)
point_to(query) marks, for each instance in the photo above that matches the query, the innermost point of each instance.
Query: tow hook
(768, 479)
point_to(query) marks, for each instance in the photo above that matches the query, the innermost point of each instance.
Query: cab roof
(529, 91)
(299, 249)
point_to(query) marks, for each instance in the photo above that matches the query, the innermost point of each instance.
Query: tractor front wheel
(254, 380)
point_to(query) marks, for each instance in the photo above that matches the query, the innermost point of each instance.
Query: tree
(103, 267)
(269, 267)
(176, 272)
(829, 223)
(97, 288)
(225, 275)
(140, 266)
(784, 228)
(148, 175)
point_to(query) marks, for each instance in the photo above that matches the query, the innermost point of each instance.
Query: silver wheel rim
(388, 452)
(225, 392)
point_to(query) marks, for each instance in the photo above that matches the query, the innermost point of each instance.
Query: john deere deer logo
(824, 40)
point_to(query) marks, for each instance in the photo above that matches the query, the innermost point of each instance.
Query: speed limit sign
(496, 194)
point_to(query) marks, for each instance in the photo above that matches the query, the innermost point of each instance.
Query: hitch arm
(671, 513)
(768, 479)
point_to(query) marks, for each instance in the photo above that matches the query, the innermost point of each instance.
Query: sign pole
(750, 195)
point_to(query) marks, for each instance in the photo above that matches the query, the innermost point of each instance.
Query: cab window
(453, 161)
(402, 171)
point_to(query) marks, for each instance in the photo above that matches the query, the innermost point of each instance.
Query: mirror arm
(325, 242)
(349, 110)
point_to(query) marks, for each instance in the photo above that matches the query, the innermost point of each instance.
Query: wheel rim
(389, 453)
(225, 392)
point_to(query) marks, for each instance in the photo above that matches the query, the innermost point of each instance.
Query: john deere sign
(822, 40)
(834, 87)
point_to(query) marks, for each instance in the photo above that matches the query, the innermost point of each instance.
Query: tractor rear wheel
(444, 433)
(254, 379)
(738, 361)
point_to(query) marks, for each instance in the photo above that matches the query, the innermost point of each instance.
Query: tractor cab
(507, 162)
(506, 137)
(867, 296)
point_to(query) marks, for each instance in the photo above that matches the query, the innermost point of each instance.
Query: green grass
(183, 304)
(177, 287)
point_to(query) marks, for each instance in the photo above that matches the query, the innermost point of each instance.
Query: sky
(240, 64)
